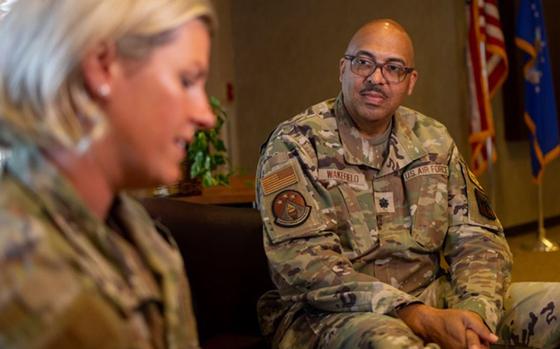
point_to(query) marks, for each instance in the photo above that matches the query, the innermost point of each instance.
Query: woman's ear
(98, 69)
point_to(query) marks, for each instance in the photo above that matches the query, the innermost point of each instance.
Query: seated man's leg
(532, 316)
(350, 331)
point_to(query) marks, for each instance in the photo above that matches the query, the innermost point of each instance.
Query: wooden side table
(241, 190)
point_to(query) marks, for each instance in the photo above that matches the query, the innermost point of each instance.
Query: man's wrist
(406, 305)
(406, 310)
(412, 315)
(486, 309)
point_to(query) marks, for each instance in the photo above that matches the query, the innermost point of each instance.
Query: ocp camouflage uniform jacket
(67, 281)
(344, 236)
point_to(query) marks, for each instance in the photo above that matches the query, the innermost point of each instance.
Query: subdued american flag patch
(279, 179)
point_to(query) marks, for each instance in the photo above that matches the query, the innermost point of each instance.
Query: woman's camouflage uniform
(68, 281)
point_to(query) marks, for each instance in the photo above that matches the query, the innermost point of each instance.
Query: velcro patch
(353, 179)
(484, 205)
(290, 209)
(426, 170)
(279, 180)
(384, 202)
(473, 179)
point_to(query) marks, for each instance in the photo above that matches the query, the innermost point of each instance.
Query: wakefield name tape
(354, 179)
(426, 170)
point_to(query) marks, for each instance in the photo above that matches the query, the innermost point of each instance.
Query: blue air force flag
(540, 105)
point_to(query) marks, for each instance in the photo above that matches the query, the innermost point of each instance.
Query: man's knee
(531, 315)
(350, 330)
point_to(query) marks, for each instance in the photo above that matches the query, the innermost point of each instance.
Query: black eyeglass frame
(351, 58)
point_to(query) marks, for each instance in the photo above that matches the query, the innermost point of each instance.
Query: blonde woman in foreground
(95, 97)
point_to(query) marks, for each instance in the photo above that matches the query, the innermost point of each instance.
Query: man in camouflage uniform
(68, 281)
(360, 199)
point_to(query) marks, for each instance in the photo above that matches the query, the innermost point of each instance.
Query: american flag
(488, 67)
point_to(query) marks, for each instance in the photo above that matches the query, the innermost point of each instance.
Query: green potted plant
(203, 165)
(207, 154)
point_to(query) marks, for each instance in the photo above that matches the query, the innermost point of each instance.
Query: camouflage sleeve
(475, 249)
(301, 241)
(43, 302)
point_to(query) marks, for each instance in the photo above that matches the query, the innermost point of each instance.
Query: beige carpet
(534, 266)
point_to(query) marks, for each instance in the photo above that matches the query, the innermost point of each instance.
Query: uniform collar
(403, 148)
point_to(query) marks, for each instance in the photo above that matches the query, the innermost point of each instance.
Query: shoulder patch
(484, 205)
(290, 209)
(279, 179)
(474, 180)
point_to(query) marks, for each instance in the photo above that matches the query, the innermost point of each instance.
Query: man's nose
(376, 77)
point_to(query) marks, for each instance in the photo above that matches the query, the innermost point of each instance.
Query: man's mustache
(373, 87)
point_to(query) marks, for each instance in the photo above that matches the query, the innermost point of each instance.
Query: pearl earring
(104, 90)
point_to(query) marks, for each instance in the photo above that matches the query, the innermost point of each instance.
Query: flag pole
(543, 244)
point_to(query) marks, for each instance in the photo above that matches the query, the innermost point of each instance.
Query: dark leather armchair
(226, 265)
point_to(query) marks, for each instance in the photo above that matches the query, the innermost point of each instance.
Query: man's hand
(450, 328)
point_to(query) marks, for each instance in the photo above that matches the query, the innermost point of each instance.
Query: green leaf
(207, 152)
(207, 180)
(219, 160)
(220, 145)
(203, 140)
(208, 163)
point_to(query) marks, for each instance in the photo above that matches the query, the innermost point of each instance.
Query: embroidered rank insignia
(290, 209)
(384, 202)
(278, 180)
(484, 205)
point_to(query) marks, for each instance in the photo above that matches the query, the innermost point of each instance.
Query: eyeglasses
(391, 71)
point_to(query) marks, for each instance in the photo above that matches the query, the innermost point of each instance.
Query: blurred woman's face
(156, 105)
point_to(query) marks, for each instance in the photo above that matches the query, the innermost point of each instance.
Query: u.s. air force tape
(433, 169)
(290, 209)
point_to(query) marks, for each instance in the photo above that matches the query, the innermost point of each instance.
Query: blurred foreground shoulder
(44, 302)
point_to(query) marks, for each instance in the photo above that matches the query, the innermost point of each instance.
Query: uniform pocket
(291, 207)
(355, 212)
(291, 215)
(426, 190)
(480, 211)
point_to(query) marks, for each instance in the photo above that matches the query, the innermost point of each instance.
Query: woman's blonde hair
(42, 89)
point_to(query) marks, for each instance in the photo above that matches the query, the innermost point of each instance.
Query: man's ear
(98, 69)
(341, 66)
(412, 82)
